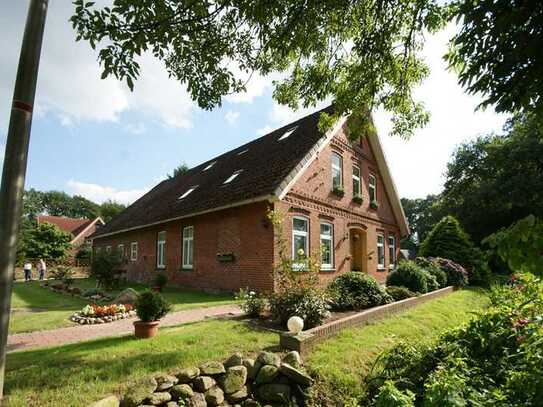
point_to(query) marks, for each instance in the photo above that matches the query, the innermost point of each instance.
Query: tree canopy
(44, 241)
(180, 169)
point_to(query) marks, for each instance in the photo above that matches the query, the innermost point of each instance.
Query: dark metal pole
(16, 154)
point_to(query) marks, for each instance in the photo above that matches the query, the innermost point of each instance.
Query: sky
(97, 139)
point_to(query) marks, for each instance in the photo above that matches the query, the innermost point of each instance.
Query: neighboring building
(208, 228)
(79, 229)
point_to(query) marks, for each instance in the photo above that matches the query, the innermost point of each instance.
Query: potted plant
(160, 282)
(150, 308)
(338, 191)
(374, 204)
(358, 199)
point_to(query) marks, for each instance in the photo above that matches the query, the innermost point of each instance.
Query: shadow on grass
(106, 365)
(31, 295)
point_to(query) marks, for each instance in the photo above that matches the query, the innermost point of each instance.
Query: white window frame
(211, 164)
(300, 233)
(357, 178)
(189, 240)
(381, 245)
(287, 133)
(330, 238)
(337, 168)
(372, 187)
(232, 177)
(134, 251)
(391, 251)
(161, 250)
(187, 192)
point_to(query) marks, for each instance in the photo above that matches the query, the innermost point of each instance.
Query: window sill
(186, 269)
(381, 269)
(327, 270)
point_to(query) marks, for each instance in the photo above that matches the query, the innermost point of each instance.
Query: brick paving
(80, 333)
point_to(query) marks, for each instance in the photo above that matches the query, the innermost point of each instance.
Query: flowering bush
(251, 303)
(105, 310)
(496, 359)
(298, 292)
(456, 274)
(87, 310)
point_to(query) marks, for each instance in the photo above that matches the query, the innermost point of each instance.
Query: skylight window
(287, 133)
(188, 191)
(232, 177)
(211, 164)
(243, 151)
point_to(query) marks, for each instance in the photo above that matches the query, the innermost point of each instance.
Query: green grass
(35, 308)
(344, 360)
(76, 375)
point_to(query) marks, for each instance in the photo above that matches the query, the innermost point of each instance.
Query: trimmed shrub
(105, 269)
(160, 280)
(409, 275)
(456, 274)
(400, 293)
(433, 268)
(151, 306)
(431, 282)
(310, 304)
(448, 240)
(354, 290)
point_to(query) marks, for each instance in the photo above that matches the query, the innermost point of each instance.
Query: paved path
(80, 333)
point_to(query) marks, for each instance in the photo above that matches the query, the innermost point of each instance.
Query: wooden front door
(359, 250)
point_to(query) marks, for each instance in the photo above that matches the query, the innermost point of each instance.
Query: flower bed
(101, 314)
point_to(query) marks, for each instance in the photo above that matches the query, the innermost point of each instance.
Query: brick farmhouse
(208, 228)
(78, 229)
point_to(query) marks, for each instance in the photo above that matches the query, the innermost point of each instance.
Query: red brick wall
(243, 231)
(311, 196)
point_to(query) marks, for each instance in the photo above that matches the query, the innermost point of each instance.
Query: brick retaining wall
(307, 339)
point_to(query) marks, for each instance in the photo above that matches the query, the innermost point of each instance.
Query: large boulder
(181, 392)
(214, 396)
(269, 358)
(203, 383)
(238, 396)
(235, 379)
(274, 392)
(252, 367)
(267, 374)
(127, 296)
(235, 360)
(187, 374)
(138, 392)
(165, 381)
(297, 376)
(159, 398)
(294, 359)
(197, 400)
(111, 401)
(212, 368)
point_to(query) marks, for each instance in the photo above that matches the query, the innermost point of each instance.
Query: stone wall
(271, 379)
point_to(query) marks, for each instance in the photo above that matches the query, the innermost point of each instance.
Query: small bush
(431, 281)
(105, 269)
(433, 268)
(160, 280)
(354, 290)
(151, 306)
(92, 291)
(400, 293)
(63, 274)
(456, 274)
(409, 275)
(311, 304)
(251, 303)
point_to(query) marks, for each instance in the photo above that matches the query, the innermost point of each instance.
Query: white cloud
(231, 117)
(101, 193)
(264, 130)
(418, 165)
(69, 85)
(135, 128)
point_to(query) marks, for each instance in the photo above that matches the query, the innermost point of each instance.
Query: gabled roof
(69, 225)
(266, 169)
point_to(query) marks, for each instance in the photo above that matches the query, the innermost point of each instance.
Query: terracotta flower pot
(144, 330)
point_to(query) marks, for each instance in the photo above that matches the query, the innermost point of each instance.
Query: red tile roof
(70, 225)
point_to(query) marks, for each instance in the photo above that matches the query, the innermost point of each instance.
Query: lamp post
(15, 160)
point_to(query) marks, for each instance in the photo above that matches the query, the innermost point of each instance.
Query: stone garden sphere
(295, 325)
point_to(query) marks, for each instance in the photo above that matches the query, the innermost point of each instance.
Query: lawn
(35, 308)
(342, 361)
(76, 375)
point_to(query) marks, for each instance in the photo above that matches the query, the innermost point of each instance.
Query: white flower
(87, 310)
(301, 252)
(252, 293)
